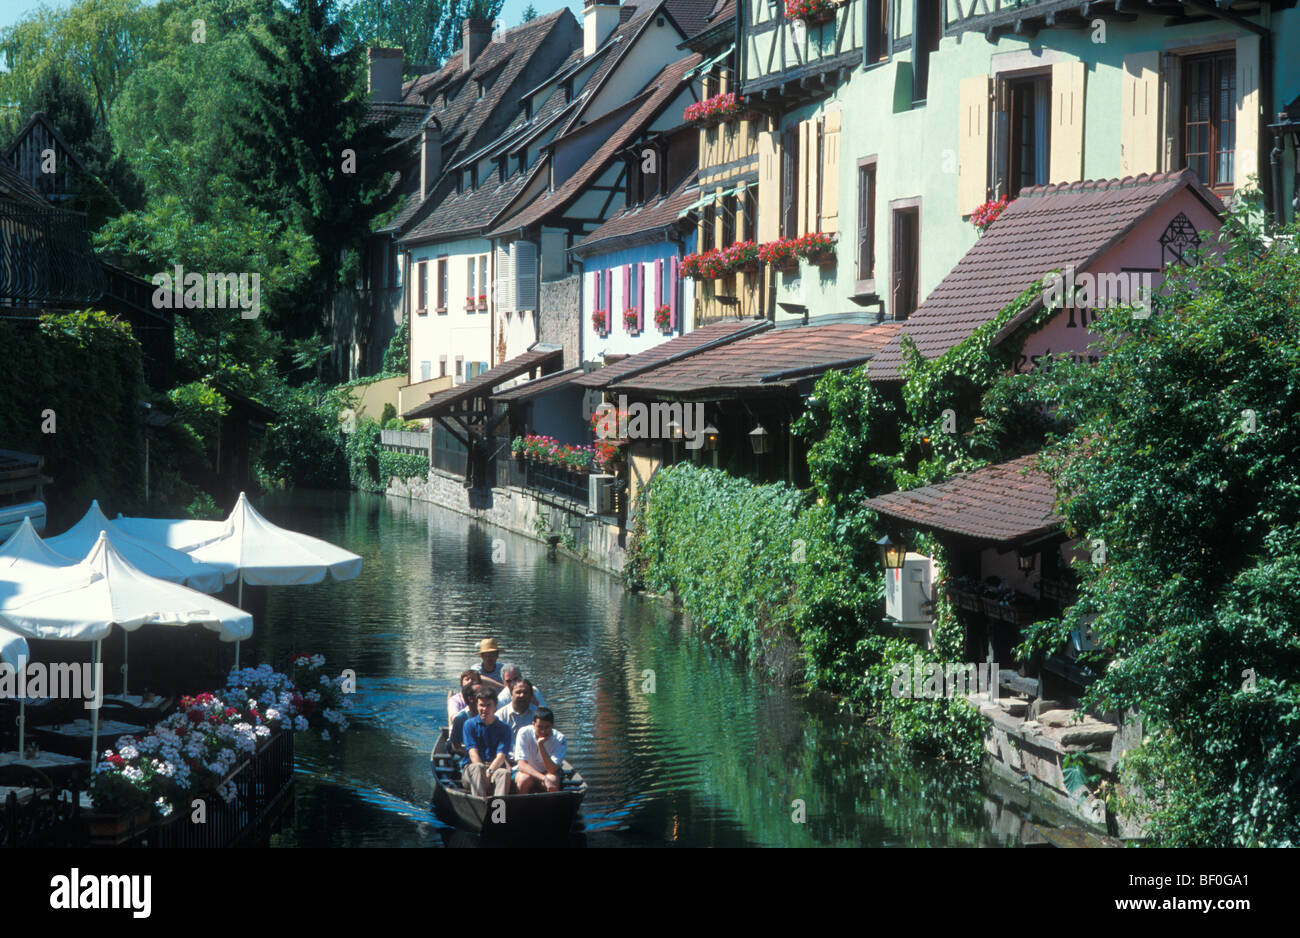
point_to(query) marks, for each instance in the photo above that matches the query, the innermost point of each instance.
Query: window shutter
(640, 298)
(973, 144)
(659, 284)
(525, 275)
(769, 188)
(504, 284)
(802, 210)
(1246, 158)
(1140, 118)
(672, 292)
(627, 292)
(831, 173)
(609, 300)
(1067, 122)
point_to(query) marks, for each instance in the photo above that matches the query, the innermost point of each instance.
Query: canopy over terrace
(466, 410)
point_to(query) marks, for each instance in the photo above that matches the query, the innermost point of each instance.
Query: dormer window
(478, 88)
(528, 109)
(523, 160)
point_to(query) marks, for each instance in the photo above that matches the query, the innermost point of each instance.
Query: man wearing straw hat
(489, 669)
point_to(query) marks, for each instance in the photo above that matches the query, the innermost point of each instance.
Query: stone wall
(518, 509)
(560, 320)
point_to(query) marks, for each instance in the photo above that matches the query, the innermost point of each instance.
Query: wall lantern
(760, 440)
(674, 430)
(891, 553)
(710, 437)
(1026, 562)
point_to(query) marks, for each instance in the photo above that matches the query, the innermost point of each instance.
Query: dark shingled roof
(1046, 228)
(409, 117)
(468, 211)
(776, 358)
(640, 223)
(538, 386)
(691, 15)
(652, 99)
(1006, 502)
(715, 332)
(540, 356)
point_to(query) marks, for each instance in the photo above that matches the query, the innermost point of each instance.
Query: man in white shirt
(539, 751)
(511, 673)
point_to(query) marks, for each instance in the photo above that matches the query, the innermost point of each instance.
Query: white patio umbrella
(84, 602)
(156, 560)
(25, 555)
(14, 652)
(177, 533)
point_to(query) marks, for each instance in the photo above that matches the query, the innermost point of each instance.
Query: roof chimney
(385, 74)
(599, 19)
(430, 157)
(475, 34)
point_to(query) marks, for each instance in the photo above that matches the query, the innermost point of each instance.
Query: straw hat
(487, 646)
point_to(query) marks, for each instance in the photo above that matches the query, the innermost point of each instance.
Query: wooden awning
(540, 358)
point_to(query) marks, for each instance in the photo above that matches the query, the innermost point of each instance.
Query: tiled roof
(775, 358)
(538, 386)
(468, 211)
(409, 117)
(715, 332)
(656, 95)
(1001, 503)
(652, 217)
(691, 15)
(539, 357)
(1047, 228)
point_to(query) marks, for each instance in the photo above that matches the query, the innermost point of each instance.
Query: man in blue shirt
(456, 735)
(487, 743)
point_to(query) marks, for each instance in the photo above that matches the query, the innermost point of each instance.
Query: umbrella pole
(236, 656)
(22, 726)
(240, 603)
(126, 638)
(94, 717)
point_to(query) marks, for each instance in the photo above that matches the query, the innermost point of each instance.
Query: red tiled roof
(775, 358)
(727, 331)
(1005, 502)
(482, 385)
(1046, 228)
(652, 217)
(653, 98)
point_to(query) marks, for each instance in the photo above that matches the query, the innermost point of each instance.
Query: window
(877, 47)
(422, 288)
(424, 371)
(905, 253)
(751, 213)
(460, 368)
(442, 284)
(482, 276)
(728, 220)
(1210, 117)
(928, 31)
(470, 280)
(790, 183)
(866, 219)
(1024, 139)
(707, 212)
(442, 366)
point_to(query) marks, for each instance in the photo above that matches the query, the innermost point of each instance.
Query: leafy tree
(305, 145)
(1185, 465)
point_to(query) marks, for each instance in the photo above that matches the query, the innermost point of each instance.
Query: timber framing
(997, 18)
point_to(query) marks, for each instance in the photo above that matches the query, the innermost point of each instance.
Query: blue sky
(11, 11)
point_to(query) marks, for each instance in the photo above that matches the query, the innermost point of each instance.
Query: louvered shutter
(504, 282)
(609, 300)
(640, 297)
(627, 294)
(673, 283)
(525, 271)
(659, 285)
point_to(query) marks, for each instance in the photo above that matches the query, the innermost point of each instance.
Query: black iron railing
(556, 479)
(51, 817)
(46, 258)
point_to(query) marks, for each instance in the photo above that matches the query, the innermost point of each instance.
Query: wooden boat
(548, 814)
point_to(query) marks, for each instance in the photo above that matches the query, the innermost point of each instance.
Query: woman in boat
(456, 700)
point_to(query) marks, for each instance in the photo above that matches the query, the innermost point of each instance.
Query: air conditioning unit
(600, 494)
(908, 593)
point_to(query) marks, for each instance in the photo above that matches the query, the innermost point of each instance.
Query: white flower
(164, 808)
(299, 723)
(325, 734)
(128, 752)
(263, 730)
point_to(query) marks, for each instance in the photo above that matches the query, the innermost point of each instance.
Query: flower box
(963, 598)
(988, 213)
(470, 305)
(482, 302)
(741, 257)
(600, 322)
(710, 265)
(781, 253)
(812, 12)
(663, 318)
(115, 826)
(817, 248)
(632, 321)
(716, 110)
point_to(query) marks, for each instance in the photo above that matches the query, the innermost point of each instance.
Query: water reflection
(716, 755)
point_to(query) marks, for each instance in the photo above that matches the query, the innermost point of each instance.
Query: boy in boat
(511, 673)
(456, 701)
(487, 744)
(456, 732)
(539, 750)
(488, 669)
(521, 711)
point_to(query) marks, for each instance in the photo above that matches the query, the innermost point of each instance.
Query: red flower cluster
(816, 246)
(715, 110)
(988, 213)
(783, 252)
(600, 321)
(810, 11)
(663, 318)
(709, 265)
(743, 255)
(631, 319)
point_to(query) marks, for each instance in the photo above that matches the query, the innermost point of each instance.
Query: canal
(714, 755)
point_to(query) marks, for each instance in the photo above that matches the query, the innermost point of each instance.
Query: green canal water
(716, 756)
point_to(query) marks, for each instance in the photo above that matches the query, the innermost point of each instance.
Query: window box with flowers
(741, 257)
(470, 305)
(600, 322)
(781, 254)
(709, 265)
(988, 213)
(812, 12)
(817, 248)
(663, 318)
(482, 302)
(632, 320)
(718, 109)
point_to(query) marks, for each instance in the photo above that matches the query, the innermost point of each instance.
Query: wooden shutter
(638, 296)
(803, 168)
(1140, 118)
(831, 173)
(769, 187)
(627, 293)
(525, 270)
(790, 183)
(973, 144)
(659, 284)
(504, 288)
(609, 300)
(674, 282)
(1066, 163)
(1246, 159)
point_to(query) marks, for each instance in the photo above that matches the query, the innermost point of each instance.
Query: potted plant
(988, 213)
(780, 253)
(741, 257)
(718, 109)
(482, 301)
(817, 248)
(600, 321)
(469, 304)
(517, 448)
(811, 12)
(663, 318)
(632, 320)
